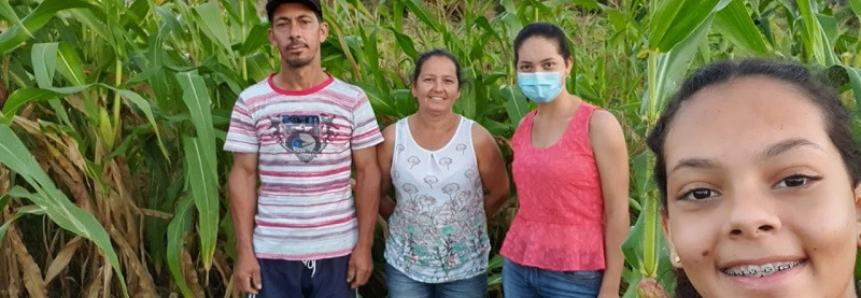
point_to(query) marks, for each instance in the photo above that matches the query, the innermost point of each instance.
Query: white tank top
(438, 231)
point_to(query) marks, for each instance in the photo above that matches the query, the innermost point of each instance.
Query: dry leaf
(32, 274)
(62, 259)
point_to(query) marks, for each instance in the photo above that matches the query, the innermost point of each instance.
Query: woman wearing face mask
(448, 176)
(760, 181)
(571, 173)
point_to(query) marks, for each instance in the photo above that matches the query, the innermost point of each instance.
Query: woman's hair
(420, 62)
(835, 115)
(545, 30)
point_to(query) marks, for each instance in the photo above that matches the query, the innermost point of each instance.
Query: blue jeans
(520, 281)
(401, 286)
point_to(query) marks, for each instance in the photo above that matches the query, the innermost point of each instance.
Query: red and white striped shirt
(304, 141)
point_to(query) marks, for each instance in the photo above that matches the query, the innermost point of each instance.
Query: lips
(762, 270)
(295, 46)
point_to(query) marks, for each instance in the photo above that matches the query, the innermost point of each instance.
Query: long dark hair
(837, 120)
(545, 30)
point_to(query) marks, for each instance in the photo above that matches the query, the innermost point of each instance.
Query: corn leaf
(44, 57)
(196, 98)
(212, 23)
(200, 156)
(24, 96)
(675, 20)
(57, 206)
(734, 23)
(204, 190)
(673, 66)
(179, 225)
(516, 105)
(69, 65)
(406, 43)
(816, 43)
(257, 39)
(145, 107)
(21, 31)
(856, 7)
(419, 11)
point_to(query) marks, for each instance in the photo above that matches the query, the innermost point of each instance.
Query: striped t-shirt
(304, 141)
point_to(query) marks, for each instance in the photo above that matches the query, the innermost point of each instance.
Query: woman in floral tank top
(571, 173)
(439, 164)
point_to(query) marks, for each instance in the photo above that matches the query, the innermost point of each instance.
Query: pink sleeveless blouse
(560, 223)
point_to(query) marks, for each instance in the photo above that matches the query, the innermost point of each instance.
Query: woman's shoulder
(480, 135)
(390, 133)
(602, 121)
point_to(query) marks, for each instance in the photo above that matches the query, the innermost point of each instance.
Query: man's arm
(242, 186)
(611, 156)
(384, 156)
(367, 198)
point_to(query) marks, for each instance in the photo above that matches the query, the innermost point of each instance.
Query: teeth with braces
(760, 271)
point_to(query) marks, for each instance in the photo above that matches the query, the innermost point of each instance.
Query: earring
(676, 258)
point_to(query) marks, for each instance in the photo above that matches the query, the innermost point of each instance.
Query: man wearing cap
(300, 232)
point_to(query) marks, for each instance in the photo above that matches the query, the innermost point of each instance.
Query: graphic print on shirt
(304, 135)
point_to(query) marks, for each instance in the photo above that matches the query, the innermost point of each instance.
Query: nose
(752, 214)
(294, 32)
(437, 87)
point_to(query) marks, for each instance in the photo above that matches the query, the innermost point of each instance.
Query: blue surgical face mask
(540, 87)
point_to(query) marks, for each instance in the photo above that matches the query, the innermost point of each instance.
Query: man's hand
(360, 268)
(247, 273)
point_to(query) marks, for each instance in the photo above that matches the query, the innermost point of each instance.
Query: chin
(298, 63)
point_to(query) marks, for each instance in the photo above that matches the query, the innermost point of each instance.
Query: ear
(857, 194)
(665, 227)
(271, 36)
(324, 31)
(569, 65)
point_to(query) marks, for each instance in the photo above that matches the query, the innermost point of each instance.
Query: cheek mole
(705, 253)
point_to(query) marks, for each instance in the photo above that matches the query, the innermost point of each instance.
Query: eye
(548, 65)
(796, 181)
(698, 194)
(526, 67)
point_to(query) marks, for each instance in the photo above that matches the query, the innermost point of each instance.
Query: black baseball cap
(314, 5)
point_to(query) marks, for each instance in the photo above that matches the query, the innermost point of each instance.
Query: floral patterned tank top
(438, 231)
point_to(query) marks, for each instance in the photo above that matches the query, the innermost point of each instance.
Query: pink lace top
(559, 225)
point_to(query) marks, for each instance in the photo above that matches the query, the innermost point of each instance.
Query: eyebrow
(445, 76)
(283, 17)
(542, 61)
(773, 151)
(787, 145)
(698, 163)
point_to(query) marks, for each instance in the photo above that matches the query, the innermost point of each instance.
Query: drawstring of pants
(311, 264)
